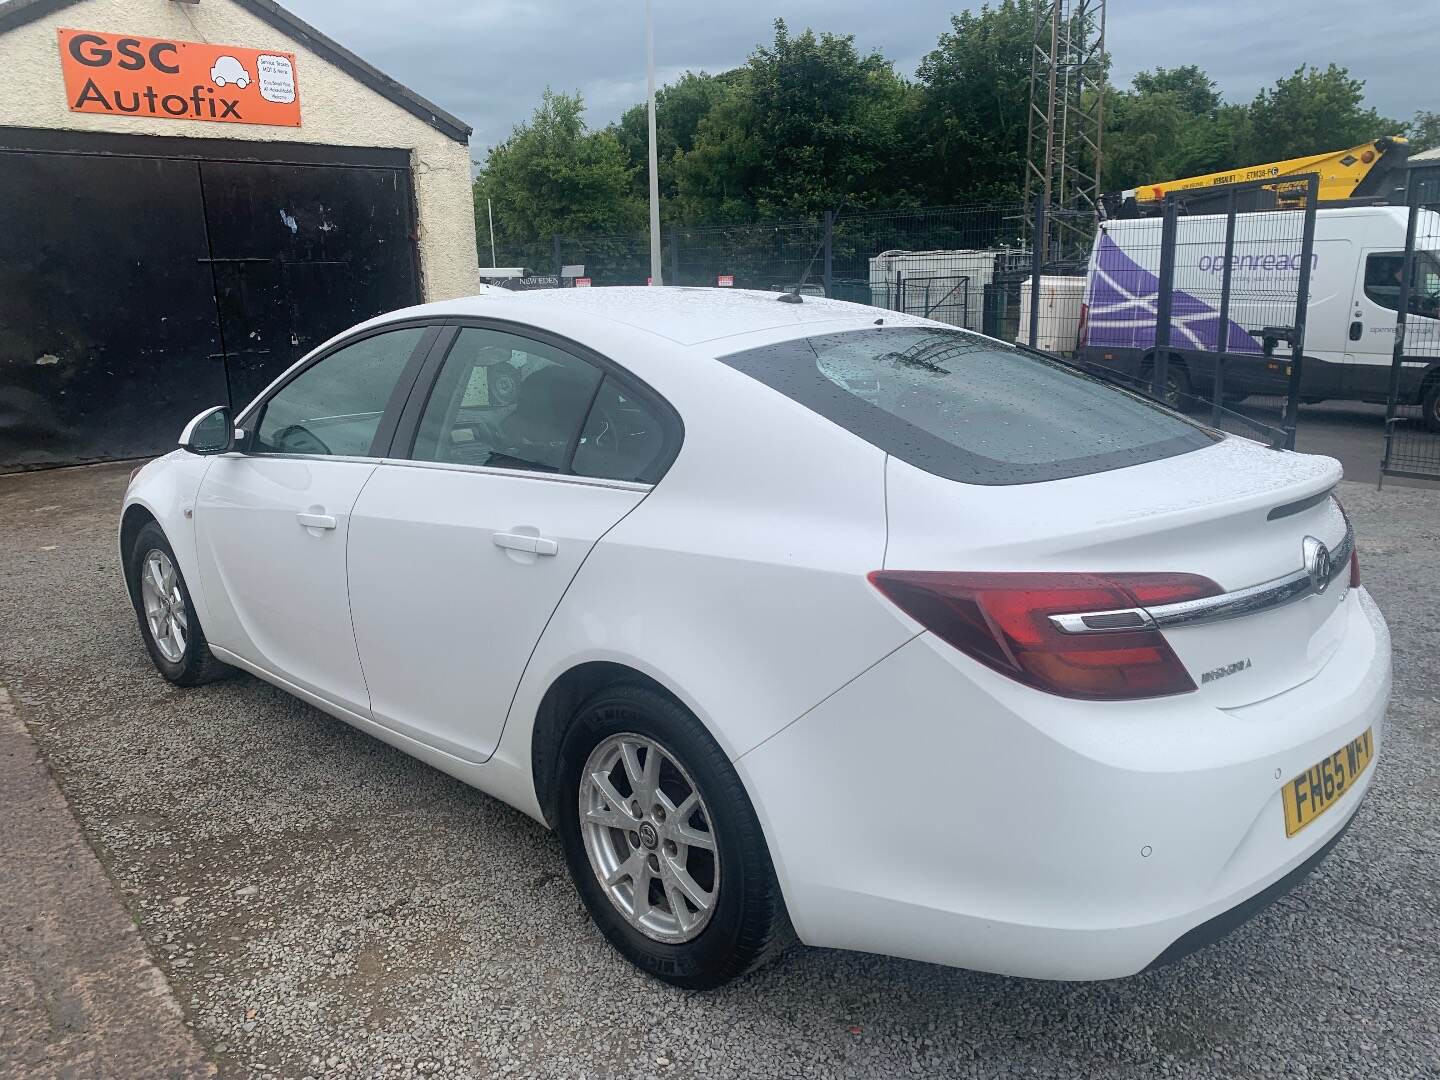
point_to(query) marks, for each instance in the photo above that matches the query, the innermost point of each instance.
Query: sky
(488, 61)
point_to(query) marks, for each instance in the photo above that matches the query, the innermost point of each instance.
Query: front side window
(335, 405)
(1382, 282)
(970, 408)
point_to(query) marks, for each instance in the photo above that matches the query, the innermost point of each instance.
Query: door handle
(1356, 329)
(316, 521)
(536, 545)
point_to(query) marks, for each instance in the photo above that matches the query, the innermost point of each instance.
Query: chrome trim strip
(521, 474)
(1231, 605)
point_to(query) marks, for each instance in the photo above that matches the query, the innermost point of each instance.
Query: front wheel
(663, 844)
(168, 622)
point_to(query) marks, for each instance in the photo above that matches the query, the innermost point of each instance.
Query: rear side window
(506, 401)
(969, 408)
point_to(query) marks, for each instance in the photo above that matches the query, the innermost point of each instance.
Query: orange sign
(123, 75)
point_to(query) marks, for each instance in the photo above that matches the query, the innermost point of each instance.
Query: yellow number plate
(1319, 787)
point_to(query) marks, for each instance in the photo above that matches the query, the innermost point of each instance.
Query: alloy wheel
(163, 598)
(649, 837)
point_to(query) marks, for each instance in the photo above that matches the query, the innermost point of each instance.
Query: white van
(1350, 319)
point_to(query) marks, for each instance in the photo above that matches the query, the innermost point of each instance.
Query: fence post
(1217, 390)
(1169, 227)
(829, 269)
(1037, 263)
(1302, 306)
(674, 255)
(1397, 356)
(559, 257)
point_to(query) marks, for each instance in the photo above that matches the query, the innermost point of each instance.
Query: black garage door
(138, 289)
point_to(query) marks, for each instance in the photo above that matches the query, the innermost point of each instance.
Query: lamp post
(655, 278)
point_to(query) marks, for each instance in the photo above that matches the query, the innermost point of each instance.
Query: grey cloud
(488, 61)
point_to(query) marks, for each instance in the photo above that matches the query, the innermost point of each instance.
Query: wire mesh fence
(1207, 310)
(1201, 307)
(960, 265)
(1408, 283)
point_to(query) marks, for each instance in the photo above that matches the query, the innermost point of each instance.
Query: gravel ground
(325, 906)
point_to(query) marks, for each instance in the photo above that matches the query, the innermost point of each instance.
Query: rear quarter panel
(739, 583)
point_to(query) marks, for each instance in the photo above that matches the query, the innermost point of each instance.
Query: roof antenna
(793, 296)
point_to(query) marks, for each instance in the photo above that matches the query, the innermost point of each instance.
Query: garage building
(193, 194)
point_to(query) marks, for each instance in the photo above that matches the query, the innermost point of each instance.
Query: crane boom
(1344, 174)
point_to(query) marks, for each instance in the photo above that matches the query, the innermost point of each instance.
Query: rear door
(273, 519)
(520, 457)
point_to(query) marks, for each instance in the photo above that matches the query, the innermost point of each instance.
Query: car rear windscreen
(969, 408)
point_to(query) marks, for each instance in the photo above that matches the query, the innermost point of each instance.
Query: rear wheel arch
(557, 711)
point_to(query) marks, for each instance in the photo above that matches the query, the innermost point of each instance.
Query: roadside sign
(726, 281)
(582, 283)
(127, 75)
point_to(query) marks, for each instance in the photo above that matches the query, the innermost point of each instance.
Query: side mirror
(209, 433)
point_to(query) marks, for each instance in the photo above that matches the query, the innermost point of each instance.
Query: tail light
(1082, 336)
(1003, 621)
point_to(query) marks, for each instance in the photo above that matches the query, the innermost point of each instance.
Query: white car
(227, 70)
(802, 615)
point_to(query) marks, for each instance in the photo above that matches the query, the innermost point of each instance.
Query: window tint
(335, 405)
(969, 408)
(623, 439)
(506, 401)
(1382, 283)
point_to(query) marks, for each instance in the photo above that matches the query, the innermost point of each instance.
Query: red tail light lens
(1003, 620)
(1082, 336)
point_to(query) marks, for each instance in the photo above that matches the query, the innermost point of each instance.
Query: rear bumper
(1213, 929)
(934, 810)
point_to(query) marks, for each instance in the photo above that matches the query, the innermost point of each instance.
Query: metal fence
(1206, 305)
(1201, 307)
(1408, 283)
(961, 265)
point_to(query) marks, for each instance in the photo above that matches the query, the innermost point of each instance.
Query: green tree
(553, 175)
(1311, 112)
(1170, 123)
(679, 109)
(972, 116)
(1424, 131)
(808, 122)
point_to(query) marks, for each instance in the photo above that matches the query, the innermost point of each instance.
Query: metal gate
(1409, 282)
(142, 279)
(1205, 308)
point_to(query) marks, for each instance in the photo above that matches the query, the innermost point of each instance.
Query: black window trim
(381, 444)
(402, 447)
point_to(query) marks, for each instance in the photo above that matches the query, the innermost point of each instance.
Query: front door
(523, 457)
(273, 519)
(1370, 347)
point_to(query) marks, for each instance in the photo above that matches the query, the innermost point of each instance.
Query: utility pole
(490, 213)
(655, 275)
(1066, 121)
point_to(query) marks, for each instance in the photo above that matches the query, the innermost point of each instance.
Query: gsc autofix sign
(123, 75)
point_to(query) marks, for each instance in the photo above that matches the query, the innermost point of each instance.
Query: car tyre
(166, 613)
(1430, 406)
(1178, 393)
(745, 924)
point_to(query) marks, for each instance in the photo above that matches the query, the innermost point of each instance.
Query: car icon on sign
(229, 70)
